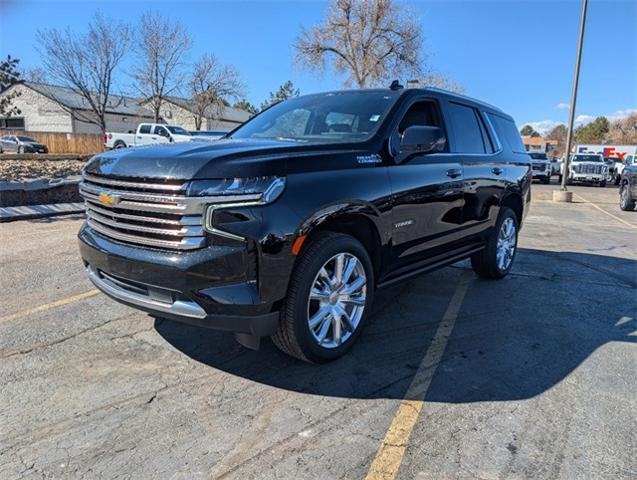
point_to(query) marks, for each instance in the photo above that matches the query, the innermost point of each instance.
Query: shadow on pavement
(513, 339)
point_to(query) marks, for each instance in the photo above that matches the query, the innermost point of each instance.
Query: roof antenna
(395, 85)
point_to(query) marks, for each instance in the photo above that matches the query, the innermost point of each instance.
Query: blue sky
(518, 55)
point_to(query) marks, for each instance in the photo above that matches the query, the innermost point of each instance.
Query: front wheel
(496, 260)
(329, 298)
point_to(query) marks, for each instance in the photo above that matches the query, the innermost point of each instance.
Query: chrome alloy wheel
(337, 300)
(507, 239)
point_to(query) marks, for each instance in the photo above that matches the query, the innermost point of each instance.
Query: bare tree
(210, 85)
(35, 75)
(161, 47)
(371, 41)
(86, 63)
(623, 130)
(437, 80)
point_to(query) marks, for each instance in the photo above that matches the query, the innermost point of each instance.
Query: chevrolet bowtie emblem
(108, 199)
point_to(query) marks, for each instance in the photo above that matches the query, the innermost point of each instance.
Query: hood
(203, 159)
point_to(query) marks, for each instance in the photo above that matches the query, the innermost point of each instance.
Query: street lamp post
(571, 116)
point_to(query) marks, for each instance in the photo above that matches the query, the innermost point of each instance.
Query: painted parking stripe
(602, 210)
(48, 306)
(392, 449)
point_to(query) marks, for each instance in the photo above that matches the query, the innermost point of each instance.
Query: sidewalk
(27, 212)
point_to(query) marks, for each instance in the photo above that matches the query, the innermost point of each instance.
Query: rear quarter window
(508, 132)
(144, 129)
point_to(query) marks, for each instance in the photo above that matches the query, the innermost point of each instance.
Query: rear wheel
(119, 144)
(328, 301)
(626, 202)
(602, 183)
(496, 260)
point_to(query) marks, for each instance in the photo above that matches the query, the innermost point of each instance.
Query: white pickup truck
(147, 134)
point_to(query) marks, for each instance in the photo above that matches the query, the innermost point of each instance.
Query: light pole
(561, 195)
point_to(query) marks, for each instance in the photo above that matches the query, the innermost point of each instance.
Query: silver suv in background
(541, 166)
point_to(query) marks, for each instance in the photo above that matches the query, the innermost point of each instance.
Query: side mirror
(420, 140)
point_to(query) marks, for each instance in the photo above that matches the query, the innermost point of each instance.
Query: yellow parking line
(391, 451)
(48, 306)
(602, 210)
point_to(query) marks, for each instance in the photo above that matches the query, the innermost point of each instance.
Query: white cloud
(583, 119)
(619, 114)
(563, 106)
(543, 126)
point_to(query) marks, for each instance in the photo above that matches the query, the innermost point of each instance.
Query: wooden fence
(56, 142)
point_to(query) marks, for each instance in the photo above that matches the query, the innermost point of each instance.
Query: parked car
(586, 168)
(147, 134)
(288, 226)
(628, 187)
(541, 166)
(21, 144)
(208, 134)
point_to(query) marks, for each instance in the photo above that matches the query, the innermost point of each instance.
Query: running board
(432, 266)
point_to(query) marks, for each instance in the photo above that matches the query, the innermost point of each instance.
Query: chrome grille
(150, 213)
(589, 169)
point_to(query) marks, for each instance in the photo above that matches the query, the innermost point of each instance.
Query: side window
(423, 114)
(145, 129)
(161, 131)
(508, 132)
(467, 129)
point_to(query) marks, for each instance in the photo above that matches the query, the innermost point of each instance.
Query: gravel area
(27, 169)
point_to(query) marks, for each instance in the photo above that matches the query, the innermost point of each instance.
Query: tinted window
(144, 129)
(538, 156)
(466, 129)
(506, 130)
(25, 139)
(161, 131)
(586, 158)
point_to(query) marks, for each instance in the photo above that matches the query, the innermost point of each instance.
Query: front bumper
(587, 177)
(210, 288)
(541, 174)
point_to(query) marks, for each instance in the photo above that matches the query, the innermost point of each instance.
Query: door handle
(497, 171)
(454, 172)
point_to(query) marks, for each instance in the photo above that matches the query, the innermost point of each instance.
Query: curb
(30, 212)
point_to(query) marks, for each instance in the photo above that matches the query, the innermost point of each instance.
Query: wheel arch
(358, 220)
(514, 202)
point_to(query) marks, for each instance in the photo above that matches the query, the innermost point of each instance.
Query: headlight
(235, 192)
(265, 189)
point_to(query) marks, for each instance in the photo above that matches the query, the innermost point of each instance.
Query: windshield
(25, 139)
(538, 156)
(177, 130)
(326, 117)
(587, 158)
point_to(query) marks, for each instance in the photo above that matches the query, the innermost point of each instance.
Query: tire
(617, 179)
(626, 202)
(546, 181)
(294, 335)
(119, 144)
(485, 263)
(602, 183)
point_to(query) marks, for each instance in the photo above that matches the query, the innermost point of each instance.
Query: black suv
(288, 225)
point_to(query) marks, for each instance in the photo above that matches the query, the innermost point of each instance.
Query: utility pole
(562, 195)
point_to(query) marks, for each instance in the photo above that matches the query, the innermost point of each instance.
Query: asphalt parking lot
(534, 376)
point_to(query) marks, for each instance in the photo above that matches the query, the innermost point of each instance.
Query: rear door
(427, 194)
(484, 169)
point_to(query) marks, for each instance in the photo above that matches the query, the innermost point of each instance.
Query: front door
(427, 193)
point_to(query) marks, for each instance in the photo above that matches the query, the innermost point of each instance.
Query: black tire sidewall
(298, 308)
